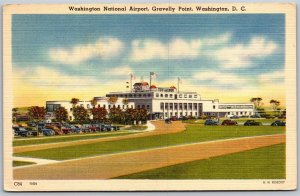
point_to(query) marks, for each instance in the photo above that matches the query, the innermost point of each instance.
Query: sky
(230, 57)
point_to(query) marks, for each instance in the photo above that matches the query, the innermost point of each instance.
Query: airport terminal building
(162, 103)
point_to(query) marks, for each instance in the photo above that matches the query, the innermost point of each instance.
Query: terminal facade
(162, 103)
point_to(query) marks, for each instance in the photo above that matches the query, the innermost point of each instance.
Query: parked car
(174, 118)
(66, 129)
(211, 122)
(85, 128)
(56, 130)
(168, 121)
(229, 122)
(47, 132)
(278, 123)
(23, 132)
(252, 123)
(234, 117)
(75, 129)
(183, 118)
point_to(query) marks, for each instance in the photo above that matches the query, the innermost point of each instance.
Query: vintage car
(252, 123)
(229, 122)
(211, 122)
(278, 123)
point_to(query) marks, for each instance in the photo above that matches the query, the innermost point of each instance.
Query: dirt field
(110, 166)
(160, 128)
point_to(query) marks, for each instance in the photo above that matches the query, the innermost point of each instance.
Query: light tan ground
(160, 128)
(110, 166)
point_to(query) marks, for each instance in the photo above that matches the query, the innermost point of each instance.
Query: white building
(162, 103)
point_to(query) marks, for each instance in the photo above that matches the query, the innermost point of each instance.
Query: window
(81, 105)
(128, 106)
(195, 96)
(144, 95)
(214, 107)
(140, 95)
(161, 95)
(70, 117)
(195, 113)
(166, 95)
(149, 95)
(191, 113)
(185, 96)
(118, 106)
(190, 96)
(126, 95)
(166, 106)
(171, 113)
(157, 95)
(190, 106)
(138, 106)
(123, 106)
(88, 106)
(171, 106)
(143, 106)
(109, 106)
(228, 112)
(98, 105)
(185, 106)
(180, 96)
(71, 109)
(195, 106)
(175, 113)
(241, 113)
(180, 106)
(130, 95)
(104, 106)
(166, 114)
(131, 106)
(175, 106)
(161, 105)
(180, 113)
(148, 106)
(171, 95)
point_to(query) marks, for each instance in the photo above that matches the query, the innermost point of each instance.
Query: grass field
(22, 163)
(67, 138)
(240, 120)
(262, 163)
(193, 133)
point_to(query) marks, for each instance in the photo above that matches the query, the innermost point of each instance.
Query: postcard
(149, 97)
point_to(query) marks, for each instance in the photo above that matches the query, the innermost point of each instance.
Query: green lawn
(22, 163)
(54, 139)
(261, 163)
(193, 133)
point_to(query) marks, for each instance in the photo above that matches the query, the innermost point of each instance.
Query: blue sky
(212, 54)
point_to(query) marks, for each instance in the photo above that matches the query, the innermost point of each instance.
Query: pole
(178, 84)
(130, 82)
(150, 79)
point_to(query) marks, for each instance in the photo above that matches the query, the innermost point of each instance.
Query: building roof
(152, 86)
(141, 83)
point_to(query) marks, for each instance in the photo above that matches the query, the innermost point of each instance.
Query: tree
(125, 101)
(74, 101)
(141, 115)
(129, 115)
(112, 100)
(257, 101)
(81, 115)
(61, 114)
(275, 104)
(37, 113)
(94, 102)
(115, 115)
(99, 114)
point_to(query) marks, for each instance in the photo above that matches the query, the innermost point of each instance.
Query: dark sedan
(278, 123)
(229, 122)
(211, 122)
(252, 123)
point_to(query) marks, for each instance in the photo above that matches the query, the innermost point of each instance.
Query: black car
(168, 121)
(278, 123)
(252, 123)
(211, 122)
(21, 131)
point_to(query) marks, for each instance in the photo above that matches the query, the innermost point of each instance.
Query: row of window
(171, 96)
(235, 106)
(178, 114)
(109, 106)
(180, 106)
(239, 113)
(135, 95)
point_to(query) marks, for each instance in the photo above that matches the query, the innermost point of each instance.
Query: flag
(153, 75)
(179, 81)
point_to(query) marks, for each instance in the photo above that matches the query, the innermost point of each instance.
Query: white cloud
(125, 70)
(219, 78)
(219, 40)
(175, 49)
(103, 48)
(242, 55)
(272, 77)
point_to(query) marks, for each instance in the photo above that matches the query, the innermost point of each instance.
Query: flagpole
(178, 84)
(131, 82)
(150, 79)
